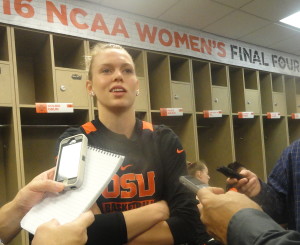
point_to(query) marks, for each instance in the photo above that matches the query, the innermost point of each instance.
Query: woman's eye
(106, 70)
(128, 70)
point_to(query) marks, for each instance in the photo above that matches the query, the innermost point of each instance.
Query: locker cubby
(4, 51)
(165, 93)
(244, 86)
(275, 140)
(184, 127)
(69, 52)
(248, 144)
(273, 93)
(293, 129)
(138, 57)
(215, 144)
(159, 80)
(211, 86)
(179, 68)
(292, 88)
(39, 135)
(9, 177)
(34, 67)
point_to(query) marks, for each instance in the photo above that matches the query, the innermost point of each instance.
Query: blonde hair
(97, 49)
(193, 167)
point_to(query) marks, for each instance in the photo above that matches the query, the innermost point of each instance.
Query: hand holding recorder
(71, 161)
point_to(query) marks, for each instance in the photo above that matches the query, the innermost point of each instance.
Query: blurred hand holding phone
(228, 172)
(192, 183)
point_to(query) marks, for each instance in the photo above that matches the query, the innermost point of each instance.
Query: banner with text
(91, 21)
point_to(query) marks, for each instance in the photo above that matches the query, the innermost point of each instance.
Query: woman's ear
(89, 87)
(198, 174)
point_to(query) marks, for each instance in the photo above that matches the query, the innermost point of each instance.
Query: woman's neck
(118, 122)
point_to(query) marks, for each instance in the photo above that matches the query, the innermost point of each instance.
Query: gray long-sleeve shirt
(253, 227)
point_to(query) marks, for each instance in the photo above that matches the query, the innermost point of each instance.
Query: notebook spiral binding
(104, 151)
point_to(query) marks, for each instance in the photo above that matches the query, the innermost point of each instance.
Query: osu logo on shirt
(130, 185)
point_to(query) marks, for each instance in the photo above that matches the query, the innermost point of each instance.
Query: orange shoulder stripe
(147, 125)
(89, 127)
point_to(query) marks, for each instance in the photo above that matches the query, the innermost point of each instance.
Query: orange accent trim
(233, 189)
(179, 151)
(147, 125)
(89, 127)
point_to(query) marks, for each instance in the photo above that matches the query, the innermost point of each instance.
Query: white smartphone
(71, 161)
(192, 183)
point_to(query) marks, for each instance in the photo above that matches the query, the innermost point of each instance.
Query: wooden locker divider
(275, 140)
(248, 144)
(215, 144)
(34, 67)
(184, 127)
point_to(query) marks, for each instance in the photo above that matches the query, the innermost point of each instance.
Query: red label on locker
(295, 115)
(54, 107)
(246, 114)
(212, 113)
(168, 112)
(273, 115)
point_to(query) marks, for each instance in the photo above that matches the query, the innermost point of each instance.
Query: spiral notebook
(65, 207)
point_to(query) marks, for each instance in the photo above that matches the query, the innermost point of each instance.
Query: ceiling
(251, 21)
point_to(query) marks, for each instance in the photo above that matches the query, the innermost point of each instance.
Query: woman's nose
(118, 75)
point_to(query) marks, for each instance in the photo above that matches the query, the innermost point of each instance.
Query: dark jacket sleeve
(254, 227)
(184, 221)
(274, 195)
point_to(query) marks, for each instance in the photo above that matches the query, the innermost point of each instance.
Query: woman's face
(114, 81)
(203, 176)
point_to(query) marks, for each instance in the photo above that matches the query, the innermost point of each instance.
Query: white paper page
(67, 206)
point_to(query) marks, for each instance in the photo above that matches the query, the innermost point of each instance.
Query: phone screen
(69, 161)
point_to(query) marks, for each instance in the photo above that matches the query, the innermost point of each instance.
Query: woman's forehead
(112, 55)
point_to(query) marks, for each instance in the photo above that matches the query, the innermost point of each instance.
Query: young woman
(144, 203)
(198, 170)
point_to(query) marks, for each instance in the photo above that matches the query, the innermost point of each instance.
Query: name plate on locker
(273, 115)
(169, 112)
(246, 114)
(295, 115)
(212, 113)
(54, 107)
